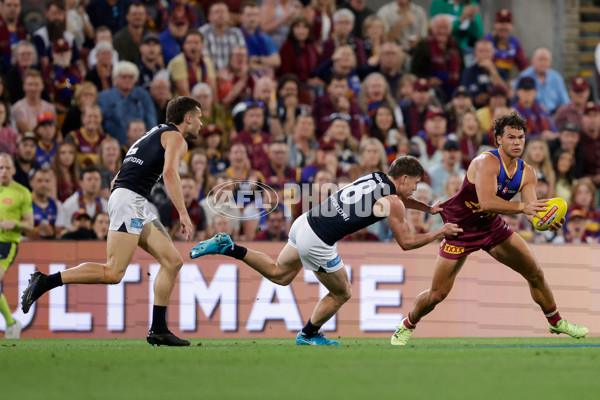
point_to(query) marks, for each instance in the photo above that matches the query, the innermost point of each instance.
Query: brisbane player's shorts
(484, 238)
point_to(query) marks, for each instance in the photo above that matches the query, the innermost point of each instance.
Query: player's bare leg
(441, 284)
(516, 254)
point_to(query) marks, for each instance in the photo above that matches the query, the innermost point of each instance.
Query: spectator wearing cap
(25, 111)
(61, 77)
(219, 36)
(343, 24)
(254, 138)
(508, 51)
(161, 93)
(101, 73)
(24, 58)
(568, 139)
(25, 164)
(430, 141)
(81, 227)
(88, 138)
(461, 103)
(438, 58)
(450, 164)
(87, 199)
(110, 13)
(12, 31)
(191, 66)
(171, 39)
(127, 41)
(538, 121)
(573, 111)
(214, 113)
(481, 76)
(415, 109)
(590, 140)
(262, 52)
(47, 143)
(550, 85)
(217, 162)
(405, 22)
(103, 34)
(387, 62)
(335, 102)
(150, 59)
(467, 26)
(326, 157)
(301, 142)
(124, 102)
(497, 103)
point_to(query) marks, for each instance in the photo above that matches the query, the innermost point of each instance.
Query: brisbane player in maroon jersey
(493, 178)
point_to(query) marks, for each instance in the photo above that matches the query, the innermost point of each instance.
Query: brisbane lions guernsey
(463, 208)
(144, 162)
(351, 208)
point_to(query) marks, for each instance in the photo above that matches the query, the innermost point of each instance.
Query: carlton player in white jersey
(157, 153)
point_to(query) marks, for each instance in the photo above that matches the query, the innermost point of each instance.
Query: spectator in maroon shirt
(275, 231)
(590, 141)
(573, 111)
(298, 53)
(335, 102)
(343, 24)
(414, 111)
(10, 25)
(277, 171)
(255, 140)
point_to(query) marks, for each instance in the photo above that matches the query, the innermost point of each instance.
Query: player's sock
(159, 319)
(235, 251)
(553, 316)
(5, 310)
(410, 323)
(47, 283)
(310, 330)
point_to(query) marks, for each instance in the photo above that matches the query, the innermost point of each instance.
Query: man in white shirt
(88, 198)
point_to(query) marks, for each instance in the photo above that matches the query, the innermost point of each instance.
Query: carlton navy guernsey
(350, 209)
(143, 165)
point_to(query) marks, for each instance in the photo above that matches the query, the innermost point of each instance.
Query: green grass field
(460, 368)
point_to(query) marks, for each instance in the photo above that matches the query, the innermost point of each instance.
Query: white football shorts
(128, 211)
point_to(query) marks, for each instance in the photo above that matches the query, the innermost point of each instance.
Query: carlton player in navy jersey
(157, 153)
(313, 237)
(493, 178)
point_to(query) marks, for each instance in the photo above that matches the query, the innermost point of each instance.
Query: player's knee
(346, 294)
(437, 296)
(174, 262)
(112, 277)
(535, 277)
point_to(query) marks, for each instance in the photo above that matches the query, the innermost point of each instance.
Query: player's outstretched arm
(415, 204)
(401, 230)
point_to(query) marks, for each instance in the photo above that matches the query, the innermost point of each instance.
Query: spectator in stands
(538, 121)
(109, 163)
(405, 22)
(125, 102)
(24, 58)
(198, 167)
(371, 158)
(234, 82)
(214, 113)
(467, 26)
(451, 187)
(301, 142)
(326, 157)
(278, 171)
(127, 40)
(300, 48)
(508, 51)
(220, 38)
(361, 13)
(415, 109)
(12, 31)
(275, 231)
(583, 198)
(88, 138)
(288, 102)
(217, 163)
(45, 131)
(590, 141)
(431, 140)
(111, 13)
(8, 136)
(564, 168)
(451, 164)
(160, 91)
(374, 36)
(100, 225)
(64, 166)
(135, 129)
(55, 29)
(334, 103)
(346, 145)
(103, 34)
(60, 76)
(568, 139)
(388, 63)
(262, 52)
(376, 92)
(87, 199)
(81, 227)
(343, 24)
(194, 13)
(221, 202)
(239, 166)
(573, 111)
(25, 111)
(385, 129)
(85, 95)
(538, 156)
(263, 96)
(170, 217)
(78, 22)
(101, 73)
(191, 66)
(483, 74)
(343, 62)
(461, 103)
(276, 17)
(25, 164)
(319, 14)
(471, 137)
(498, 99)
(254, 138)
(438, 58)
(48, 215)
(171, 39)
(575, 229)
(150, 59)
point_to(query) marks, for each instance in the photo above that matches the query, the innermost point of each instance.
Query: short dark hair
(248, 3)
(287, 78)
(338, 77)
(194, 33)
(60, 4)
(406, 165)
(513, 120)
(275, 210)
(178, 107)
(89, 170)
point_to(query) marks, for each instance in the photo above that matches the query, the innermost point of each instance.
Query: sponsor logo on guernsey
(136, 223)
(450, 249)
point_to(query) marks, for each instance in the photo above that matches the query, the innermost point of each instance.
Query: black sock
(310, 330)
(47, 283)
(159, 319)
(236, 251)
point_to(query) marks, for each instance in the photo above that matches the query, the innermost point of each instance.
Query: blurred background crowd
(310, 92)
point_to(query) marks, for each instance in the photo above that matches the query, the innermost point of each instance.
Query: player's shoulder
(16, 187)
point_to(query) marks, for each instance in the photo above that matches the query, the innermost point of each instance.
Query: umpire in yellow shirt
(16, 216)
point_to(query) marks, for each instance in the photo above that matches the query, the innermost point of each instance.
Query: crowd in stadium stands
(309, 92)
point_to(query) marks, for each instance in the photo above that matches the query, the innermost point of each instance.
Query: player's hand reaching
(436, 208)
(556, 225)
(534, 207)
(187, 229)
(450, 230)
